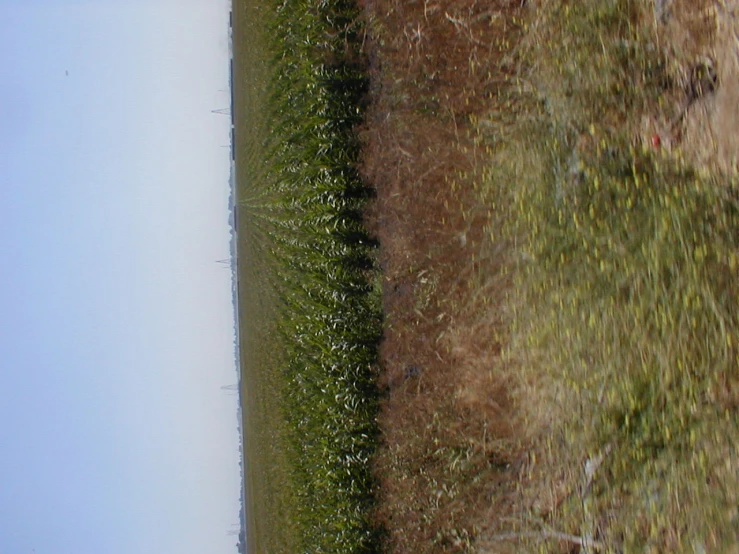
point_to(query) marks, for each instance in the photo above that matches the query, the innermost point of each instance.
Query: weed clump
(625, 323)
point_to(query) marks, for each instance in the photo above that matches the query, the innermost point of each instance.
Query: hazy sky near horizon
(116, 329)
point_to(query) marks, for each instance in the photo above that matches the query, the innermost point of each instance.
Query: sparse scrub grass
(446, 445)
(302, 207)
(624, 310)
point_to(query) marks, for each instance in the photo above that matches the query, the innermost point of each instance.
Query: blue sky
(116, 325)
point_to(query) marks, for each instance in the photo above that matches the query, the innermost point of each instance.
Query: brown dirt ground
(710, 136)
(450, 461)
(694, 32)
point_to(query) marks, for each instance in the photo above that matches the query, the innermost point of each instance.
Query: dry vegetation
(448, 442)
(559, 254)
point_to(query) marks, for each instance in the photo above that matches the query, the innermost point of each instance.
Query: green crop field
(308, 306)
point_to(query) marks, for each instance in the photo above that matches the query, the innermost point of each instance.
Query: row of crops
(308, 213)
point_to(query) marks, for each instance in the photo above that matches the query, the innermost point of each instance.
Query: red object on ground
(656, 140)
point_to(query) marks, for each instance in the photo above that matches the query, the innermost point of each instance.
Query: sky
(116, 323)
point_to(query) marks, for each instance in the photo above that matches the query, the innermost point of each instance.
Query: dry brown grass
(448, 453)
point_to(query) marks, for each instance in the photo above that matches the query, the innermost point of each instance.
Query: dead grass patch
(446, 453)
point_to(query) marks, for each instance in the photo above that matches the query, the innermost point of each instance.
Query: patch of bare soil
(446, 458)
(701, 39)
(710, 135)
